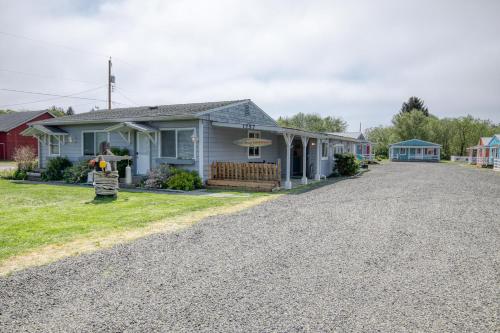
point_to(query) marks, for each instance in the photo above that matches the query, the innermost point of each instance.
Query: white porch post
(305, 139)
(318, 159)
(288, 139)
(200, 151)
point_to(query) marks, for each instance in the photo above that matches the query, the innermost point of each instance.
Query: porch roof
(43, 129)
(415, 143)
(132, 125)
(285, 130)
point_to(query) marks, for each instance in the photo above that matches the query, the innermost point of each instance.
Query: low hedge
(346, 164)
(55, 168)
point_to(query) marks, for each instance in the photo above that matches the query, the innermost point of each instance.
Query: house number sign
(249, 126)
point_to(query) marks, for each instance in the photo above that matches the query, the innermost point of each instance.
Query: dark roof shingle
(11, 120)
(143, 112)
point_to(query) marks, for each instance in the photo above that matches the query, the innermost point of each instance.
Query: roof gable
(416, 143)
(495, 140)
(484, 140)
(242, 113)
(12, 120)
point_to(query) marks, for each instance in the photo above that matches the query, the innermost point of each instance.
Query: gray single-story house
(193, 136)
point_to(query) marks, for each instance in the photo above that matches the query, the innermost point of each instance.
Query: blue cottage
(415, 150)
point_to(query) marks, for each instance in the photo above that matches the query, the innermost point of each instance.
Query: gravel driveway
(405, 247)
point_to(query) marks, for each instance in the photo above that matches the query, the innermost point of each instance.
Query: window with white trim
(54, 145)
(402, 151)
(177, 143)
(324, 150)
(94, 142)
(339, 148)
(254, 152)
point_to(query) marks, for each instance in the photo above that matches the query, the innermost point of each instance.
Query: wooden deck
(254, 176)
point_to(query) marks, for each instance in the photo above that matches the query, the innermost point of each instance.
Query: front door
(142, 153)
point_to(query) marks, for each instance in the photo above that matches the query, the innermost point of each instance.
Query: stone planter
(106, 183)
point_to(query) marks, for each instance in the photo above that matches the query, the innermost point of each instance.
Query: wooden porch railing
(246, 171)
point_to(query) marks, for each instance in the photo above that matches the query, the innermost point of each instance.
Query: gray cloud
(358, 59)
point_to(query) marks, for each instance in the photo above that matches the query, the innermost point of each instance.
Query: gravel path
(405, 247)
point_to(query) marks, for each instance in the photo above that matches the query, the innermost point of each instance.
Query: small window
(185, 145)
(95, 143)
(402, 151)
(54, 145)
(168, 144)
(177, 143)
(324, 150)
(88, 143)
(254, 152)
(419, 150)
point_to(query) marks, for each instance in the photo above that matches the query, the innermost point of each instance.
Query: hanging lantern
(253, 142)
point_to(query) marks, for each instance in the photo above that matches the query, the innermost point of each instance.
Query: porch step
(263, 186)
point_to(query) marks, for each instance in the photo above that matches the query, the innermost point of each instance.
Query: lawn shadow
(103, 199)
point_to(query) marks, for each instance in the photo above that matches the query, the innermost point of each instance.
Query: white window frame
(339, 148)
(324, 158)
(260, 148)
(95, 138)
(58, 144)
(176, 130)
(402, 151)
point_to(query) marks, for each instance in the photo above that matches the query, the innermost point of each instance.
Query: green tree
(6, 111)
(411, 125)
(441, 131)
(382, 137)
(69, 111)
(313, 122)
(56, 111)
(414, 103)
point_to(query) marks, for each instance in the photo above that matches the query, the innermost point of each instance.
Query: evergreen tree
(414, 103)
(69, 111)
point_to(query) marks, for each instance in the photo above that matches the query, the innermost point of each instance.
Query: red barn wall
(14, 139)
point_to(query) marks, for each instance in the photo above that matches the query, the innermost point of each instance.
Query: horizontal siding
(219, 146)
(73, 150)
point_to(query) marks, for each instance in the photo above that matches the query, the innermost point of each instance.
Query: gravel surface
(405, 247)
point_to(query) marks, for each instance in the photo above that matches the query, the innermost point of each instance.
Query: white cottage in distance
(204, 137)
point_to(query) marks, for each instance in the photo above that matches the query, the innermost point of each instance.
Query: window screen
(168, 143)
(185, 145)
(88, 143)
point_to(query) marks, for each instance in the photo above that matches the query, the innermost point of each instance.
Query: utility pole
(109, 84)
(360, 126)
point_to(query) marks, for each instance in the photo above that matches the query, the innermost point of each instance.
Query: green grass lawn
(33, 215)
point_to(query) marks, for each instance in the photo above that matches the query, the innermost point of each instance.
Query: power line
(55, 95)
(44, 76)
(119, 91)
(69, 48)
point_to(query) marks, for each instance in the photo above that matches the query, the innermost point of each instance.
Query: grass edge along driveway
(42, 223)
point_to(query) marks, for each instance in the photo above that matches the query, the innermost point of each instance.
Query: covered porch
(291, 154)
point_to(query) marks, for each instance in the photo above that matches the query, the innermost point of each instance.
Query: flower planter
(106, 183)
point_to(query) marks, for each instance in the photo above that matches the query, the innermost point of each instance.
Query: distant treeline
(415, 121)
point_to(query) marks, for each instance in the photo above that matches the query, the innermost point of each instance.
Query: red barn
(11, 126)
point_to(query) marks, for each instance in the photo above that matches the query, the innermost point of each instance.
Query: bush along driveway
(405, 247)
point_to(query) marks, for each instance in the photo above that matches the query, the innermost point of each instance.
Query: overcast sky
(358, 60)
